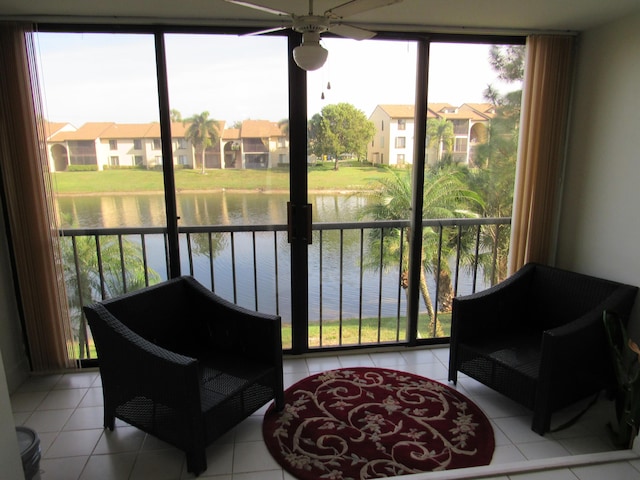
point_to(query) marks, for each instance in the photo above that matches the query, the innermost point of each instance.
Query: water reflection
(217, 208)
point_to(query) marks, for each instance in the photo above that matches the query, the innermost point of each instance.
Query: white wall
(10, 461)
(13, 365)
(599, 229)
(12, 349)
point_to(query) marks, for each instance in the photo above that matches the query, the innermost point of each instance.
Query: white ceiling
(519, 16)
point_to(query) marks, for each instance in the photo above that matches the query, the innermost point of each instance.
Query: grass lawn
(368, 334)
(320, 177)
(350, 332)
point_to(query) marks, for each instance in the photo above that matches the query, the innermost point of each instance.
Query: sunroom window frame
(296, 85)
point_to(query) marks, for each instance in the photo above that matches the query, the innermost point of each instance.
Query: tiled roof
(398, 111)
(472, 111)
(111, 130)
(487, 109)
(88, 131)
(260, 129)
(128, 130)
(51, 128)
(178, 130)
(439, 108)
(464, 112)
(231, 134)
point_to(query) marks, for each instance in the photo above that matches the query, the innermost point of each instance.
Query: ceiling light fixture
(310, 55)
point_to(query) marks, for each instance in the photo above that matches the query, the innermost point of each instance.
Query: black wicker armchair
(538, 337)
(183, 364)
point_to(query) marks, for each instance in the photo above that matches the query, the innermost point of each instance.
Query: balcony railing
(357, 272)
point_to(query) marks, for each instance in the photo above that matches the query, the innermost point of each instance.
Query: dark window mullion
(420, 141)
(298, 197)
(167, 158)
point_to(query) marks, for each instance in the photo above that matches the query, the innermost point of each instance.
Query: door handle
(299, 215)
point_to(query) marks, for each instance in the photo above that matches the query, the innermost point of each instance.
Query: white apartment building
(256, 144)
(392, 143)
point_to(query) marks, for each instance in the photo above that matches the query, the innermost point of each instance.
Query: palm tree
(494, 182)
(496, 158)
(440, 134)
(87, 283)
(284, 126)
(445, 196)
(176, 116)
(202, 132)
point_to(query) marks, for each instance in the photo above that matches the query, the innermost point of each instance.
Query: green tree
(176, 116)
(445, 196)
(118, 268)
(340, 129)
(284, 126)
(496, 159)
(508, 61)
(440, 135)
(494, 182)
(202, 132)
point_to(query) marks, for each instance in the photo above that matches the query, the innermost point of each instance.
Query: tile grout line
(340, 360)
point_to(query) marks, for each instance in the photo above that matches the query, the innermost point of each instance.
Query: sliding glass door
(228, 97)
(358, 104)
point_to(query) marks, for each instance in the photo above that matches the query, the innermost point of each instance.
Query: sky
(105, 77)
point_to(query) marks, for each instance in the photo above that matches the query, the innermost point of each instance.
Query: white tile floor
(66, 412)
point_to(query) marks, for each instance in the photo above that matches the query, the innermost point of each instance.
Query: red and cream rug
(360, 423)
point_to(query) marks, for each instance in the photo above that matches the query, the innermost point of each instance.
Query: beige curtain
(545, 106)
(31, 214)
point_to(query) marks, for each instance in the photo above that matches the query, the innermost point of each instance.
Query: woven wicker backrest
(165, 314)
(557, 297)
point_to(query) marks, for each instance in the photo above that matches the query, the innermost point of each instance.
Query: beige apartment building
(392, 143)
(255, 144)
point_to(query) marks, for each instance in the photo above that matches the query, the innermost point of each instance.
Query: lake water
(217, 208)
(334, 276)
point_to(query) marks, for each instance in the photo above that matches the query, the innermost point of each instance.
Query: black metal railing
(357, 272)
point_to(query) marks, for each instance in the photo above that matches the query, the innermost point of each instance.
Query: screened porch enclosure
(353, 281)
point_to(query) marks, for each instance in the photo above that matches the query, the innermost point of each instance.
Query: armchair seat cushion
(224, 378)
(520, 352)
(507, 364)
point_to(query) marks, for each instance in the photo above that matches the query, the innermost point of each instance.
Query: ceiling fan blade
(350, 31)
(267, 30)
(257, 6)
(357, 6)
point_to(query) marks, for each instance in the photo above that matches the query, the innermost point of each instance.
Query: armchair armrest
(133, 366)
(579, 349)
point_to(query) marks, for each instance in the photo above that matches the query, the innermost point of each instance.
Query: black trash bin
(29, 445)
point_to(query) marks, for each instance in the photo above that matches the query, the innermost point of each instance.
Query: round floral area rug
(359, 423)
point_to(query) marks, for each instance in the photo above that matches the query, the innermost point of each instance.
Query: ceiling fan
(310, 55)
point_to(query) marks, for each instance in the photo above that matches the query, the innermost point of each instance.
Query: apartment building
(255, 144)
(393, 140)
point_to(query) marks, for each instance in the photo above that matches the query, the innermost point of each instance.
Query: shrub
(122, 167)
(82, 168)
